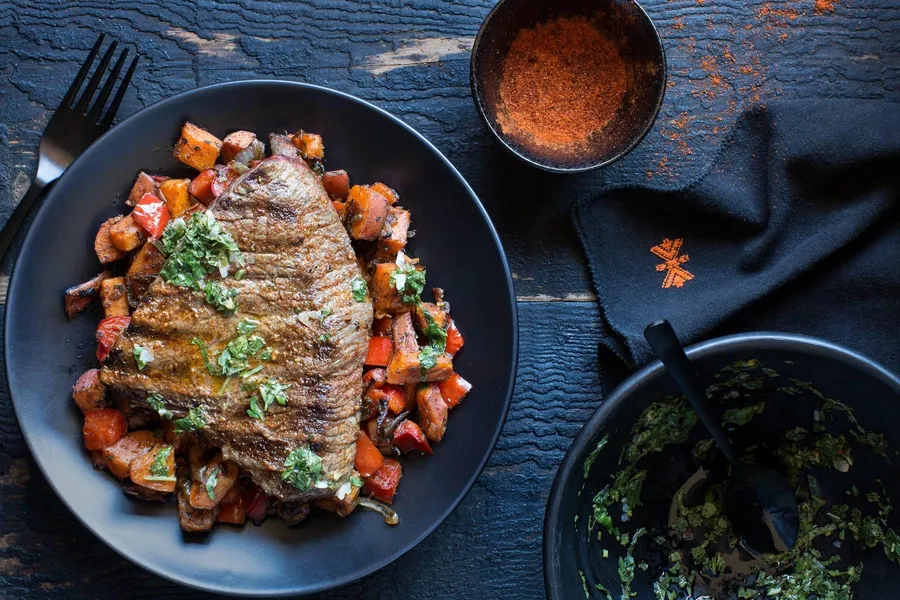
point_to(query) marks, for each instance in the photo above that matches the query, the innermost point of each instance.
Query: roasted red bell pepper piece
(108, 332)
(225, 175)
(454, 389)
(408, 437)
(368, 458)
(454, 339)
(152, 214)
(380, 349)
(103, 427)
(201, 186)
(255, 504)
(383, 483)
(231, 508)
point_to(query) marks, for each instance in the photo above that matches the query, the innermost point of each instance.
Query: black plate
(45, 352)
(868, 388)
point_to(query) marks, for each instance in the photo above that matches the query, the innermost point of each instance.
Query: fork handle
(9, 231)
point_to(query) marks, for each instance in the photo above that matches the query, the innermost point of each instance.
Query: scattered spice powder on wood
(561, 83)
(825, 6)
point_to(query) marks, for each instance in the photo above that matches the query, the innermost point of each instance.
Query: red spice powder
(825, 6)
(561, 83)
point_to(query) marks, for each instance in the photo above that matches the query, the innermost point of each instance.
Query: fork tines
(83, 106)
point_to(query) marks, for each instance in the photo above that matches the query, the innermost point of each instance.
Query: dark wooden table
(411, 57)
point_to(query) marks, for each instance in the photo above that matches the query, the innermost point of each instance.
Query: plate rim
(197, 582)
(750, 341)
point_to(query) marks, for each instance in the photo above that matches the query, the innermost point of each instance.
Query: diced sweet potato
(438, 315)
(385, 296)
(106, 251)
(103, 427)
(235, 142)
(98, 460)
(197, 147)
(144, 268)
(342, 506)
(337, 184)
(366, 212)
(405, 365)
(89, 393)
(141, 472)
(176, 194)
(78, 297)
(386, 191)
(310, 145)
(214, 480)
(433, 411)
(393, 236)
(144, 184)
(114, 297)
(132, 445)
(126, 235)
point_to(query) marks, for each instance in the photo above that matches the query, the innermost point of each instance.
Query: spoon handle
(665, 344)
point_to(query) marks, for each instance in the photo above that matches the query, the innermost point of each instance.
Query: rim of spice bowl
(508, 17)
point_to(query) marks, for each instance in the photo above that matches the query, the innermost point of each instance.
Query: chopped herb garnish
(435, 334)
(220, 296)
(359, 289)
(358, 482)
(211, 482)
(160, 465)
(142, 356)
(589, 461)
(428, 357)
(194, 420)
(408, 279)
(325, 312)
(246, 326)
(302, 469)
(157, 403)
(235, 357)
(324, 337)
(196, 249)
(241, 273)
(270, 392)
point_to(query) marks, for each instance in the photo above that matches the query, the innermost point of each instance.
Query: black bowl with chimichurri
(636, 509)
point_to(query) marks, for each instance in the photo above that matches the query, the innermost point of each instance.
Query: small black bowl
(872, 392)
(622, 21)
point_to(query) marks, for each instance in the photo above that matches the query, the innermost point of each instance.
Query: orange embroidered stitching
(676, 275)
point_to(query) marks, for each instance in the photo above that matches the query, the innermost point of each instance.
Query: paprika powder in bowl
(568, 85)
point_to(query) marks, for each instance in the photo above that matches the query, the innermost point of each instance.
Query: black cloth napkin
(794, 227)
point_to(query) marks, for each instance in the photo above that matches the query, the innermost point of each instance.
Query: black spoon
(759, 501)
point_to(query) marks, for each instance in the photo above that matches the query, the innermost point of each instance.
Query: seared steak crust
(299, 262)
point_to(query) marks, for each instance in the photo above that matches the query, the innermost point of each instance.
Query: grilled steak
(299, 266)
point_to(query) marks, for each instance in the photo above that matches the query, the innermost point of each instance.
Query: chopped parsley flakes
(159, 468)
(234, 359)
(195, 419)
(196, 249)
(302, 469)
(272, 391)
(157, 403)
(142, 356)
(428, 357)
(211, 482)
(435, 334)
(408, 279)
(359, 289)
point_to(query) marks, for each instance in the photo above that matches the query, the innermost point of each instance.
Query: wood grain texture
(490, 546)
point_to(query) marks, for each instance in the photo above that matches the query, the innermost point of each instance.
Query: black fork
(72, 128)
